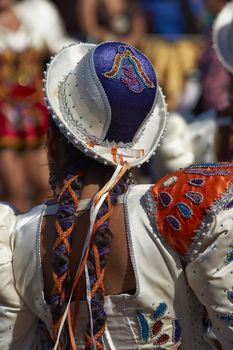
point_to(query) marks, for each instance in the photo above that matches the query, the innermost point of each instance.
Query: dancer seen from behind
(107, 264)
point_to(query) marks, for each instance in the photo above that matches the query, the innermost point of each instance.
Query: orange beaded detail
(183, 199)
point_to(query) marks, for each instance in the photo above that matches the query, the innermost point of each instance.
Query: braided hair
(72, 174)
(97, 259)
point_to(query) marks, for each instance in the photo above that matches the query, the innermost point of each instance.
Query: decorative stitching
(184, 209)
(195, 197)
(197, 181)
(173, 222)
(165, 198)
(169, 182)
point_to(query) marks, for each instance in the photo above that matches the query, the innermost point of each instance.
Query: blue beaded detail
(170, 181)
(165, 199)
(144, 327)
(197, 181)
(184, 209)
(211, 172)
(230, 256)
(230, 296)
(173, 222)
(228, 318)
(159, 311)
(195, 197)
(210, 165)
(176, 337)
(229, 205)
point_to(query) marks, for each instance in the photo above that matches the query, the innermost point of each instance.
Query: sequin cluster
(184, 209)
(128, 69)
(151, 328)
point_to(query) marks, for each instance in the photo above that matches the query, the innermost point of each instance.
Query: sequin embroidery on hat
(197, 181)
(195, 197)
(165, 198)
(128, 70)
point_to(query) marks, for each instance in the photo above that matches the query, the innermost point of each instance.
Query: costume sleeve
(15, 318)
(210, 275)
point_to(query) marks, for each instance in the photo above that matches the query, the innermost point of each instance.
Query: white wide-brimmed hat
(223, 36)
(106, 100)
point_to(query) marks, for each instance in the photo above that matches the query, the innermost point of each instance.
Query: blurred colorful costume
(23, 115)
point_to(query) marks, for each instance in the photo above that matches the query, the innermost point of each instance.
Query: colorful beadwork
(189, 219)
(173, 222)
(128, 70)
(197, 181)
(195, 197)
(154, 323)
(184, 209)
(165, 198)
(211, 172)
(169, 182)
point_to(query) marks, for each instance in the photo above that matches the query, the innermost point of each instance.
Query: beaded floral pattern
(183, 201)
(152, 328)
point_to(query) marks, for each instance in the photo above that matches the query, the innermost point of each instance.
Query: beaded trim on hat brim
(223, 44)
(158, 115)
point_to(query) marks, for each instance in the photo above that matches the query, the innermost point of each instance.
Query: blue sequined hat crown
(107, 102)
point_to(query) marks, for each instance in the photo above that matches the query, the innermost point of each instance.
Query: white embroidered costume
(163, 313)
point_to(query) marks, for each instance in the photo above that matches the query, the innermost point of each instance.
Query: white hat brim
(147, 139)
(223, 36)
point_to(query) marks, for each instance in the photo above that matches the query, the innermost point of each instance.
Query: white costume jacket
(164, 313)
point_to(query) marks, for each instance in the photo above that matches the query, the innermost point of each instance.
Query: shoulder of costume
(188, 199)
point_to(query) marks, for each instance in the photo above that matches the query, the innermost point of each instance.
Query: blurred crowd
(177, 37)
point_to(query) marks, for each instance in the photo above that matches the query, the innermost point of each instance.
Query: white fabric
(159, 279)
(42, 26)
(211, 277)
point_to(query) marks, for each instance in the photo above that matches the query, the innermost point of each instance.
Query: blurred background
(176, 35)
